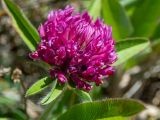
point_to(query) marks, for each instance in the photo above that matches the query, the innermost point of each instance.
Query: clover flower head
(79, 49)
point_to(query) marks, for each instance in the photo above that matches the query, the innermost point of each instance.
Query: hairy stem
(47, 111)
(50, 107)
(24, 98)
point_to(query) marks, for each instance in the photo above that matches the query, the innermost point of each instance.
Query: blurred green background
(138, 78)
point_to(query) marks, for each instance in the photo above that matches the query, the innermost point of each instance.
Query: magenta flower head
(79, 50)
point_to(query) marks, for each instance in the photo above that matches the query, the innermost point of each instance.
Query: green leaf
(22, 25)
(18, 114)
(39, 86)
(115, 118)
(146, 17)
(57, 106)
(48, 95)
(130, 47)
(63, 102)
(83, 95)
(95, 9)
(102, 109)
(4, 118)
(115, 16)
(52, 95)
(6, 101)
(156, 34)
(127, 2)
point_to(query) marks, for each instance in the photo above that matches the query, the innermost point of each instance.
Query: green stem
(24, 98)
(47, 111)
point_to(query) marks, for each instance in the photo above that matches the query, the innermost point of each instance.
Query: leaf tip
(26, 94)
